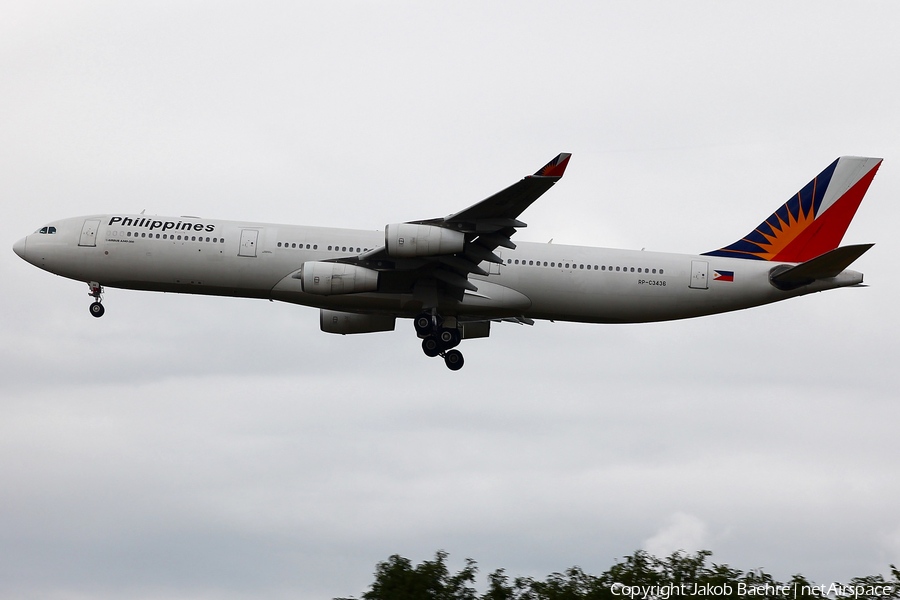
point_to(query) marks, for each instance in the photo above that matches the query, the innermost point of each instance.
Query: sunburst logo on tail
(814, 220)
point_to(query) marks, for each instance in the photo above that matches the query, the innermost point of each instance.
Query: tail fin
(814, 220)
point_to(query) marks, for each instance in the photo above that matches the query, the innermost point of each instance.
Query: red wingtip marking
(556, 167)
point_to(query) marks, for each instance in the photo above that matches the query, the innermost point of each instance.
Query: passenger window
(617, 268)
(531, 262)
(660, 271)
(215, 240)
(552, 264)
(509, 261)
(589, 267)
(581, 266)
(632, 269)
(545, 263)
(315, 246)
(654, 271)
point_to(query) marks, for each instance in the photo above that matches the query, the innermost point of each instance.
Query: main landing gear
(96, 308)
(438, 340)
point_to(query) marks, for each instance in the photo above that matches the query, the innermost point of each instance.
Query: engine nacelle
(327, 278)
(408, 240)
(334, 321)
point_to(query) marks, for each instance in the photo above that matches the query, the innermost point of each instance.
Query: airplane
(456, 275)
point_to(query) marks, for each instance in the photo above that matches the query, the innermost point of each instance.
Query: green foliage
(396, 579)
(681, 575)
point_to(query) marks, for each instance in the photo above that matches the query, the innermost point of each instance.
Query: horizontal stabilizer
(830, 264)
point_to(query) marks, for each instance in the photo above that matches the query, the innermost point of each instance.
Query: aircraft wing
(484, 226)
(511, 202)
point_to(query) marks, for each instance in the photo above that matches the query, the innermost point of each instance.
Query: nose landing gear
(96, 308)
(438, 340)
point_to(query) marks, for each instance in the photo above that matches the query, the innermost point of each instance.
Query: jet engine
(328, 278)
(408, 240)
(334, 321)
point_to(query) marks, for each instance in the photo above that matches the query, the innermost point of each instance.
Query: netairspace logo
(788, 591)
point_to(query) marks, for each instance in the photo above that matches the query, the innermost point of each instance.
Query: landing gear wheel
(454, 360)
(431, 347)
(450, 338)
(423, 324)
(97, 309)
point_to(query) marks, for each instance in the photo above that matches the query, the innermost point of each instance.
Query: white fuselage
(538, 281)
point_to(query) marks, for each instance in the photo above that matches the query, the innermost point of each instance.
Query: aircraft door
(249, 238)
(699, 272)
(89, 232)
(494, 268)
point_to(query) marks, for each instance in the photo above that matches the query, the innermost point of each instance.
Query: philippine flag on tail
(723, 276)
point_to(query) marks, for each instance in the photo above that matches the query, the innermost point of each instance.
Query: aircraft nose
(19, 247)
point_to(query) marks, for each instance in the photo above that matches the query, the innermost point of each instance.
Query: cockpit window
(42, 230)
(51, 230)
(46, 230)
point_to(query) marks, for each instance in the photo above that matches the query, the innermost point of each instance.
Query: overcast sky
(191, 447)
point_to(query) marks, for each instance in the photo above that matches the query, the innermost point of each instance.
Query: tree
(396, 579)
(639, 575)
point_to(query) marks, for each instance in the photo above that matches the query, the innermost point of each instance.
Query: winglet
(508, 204)
(556, 167)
